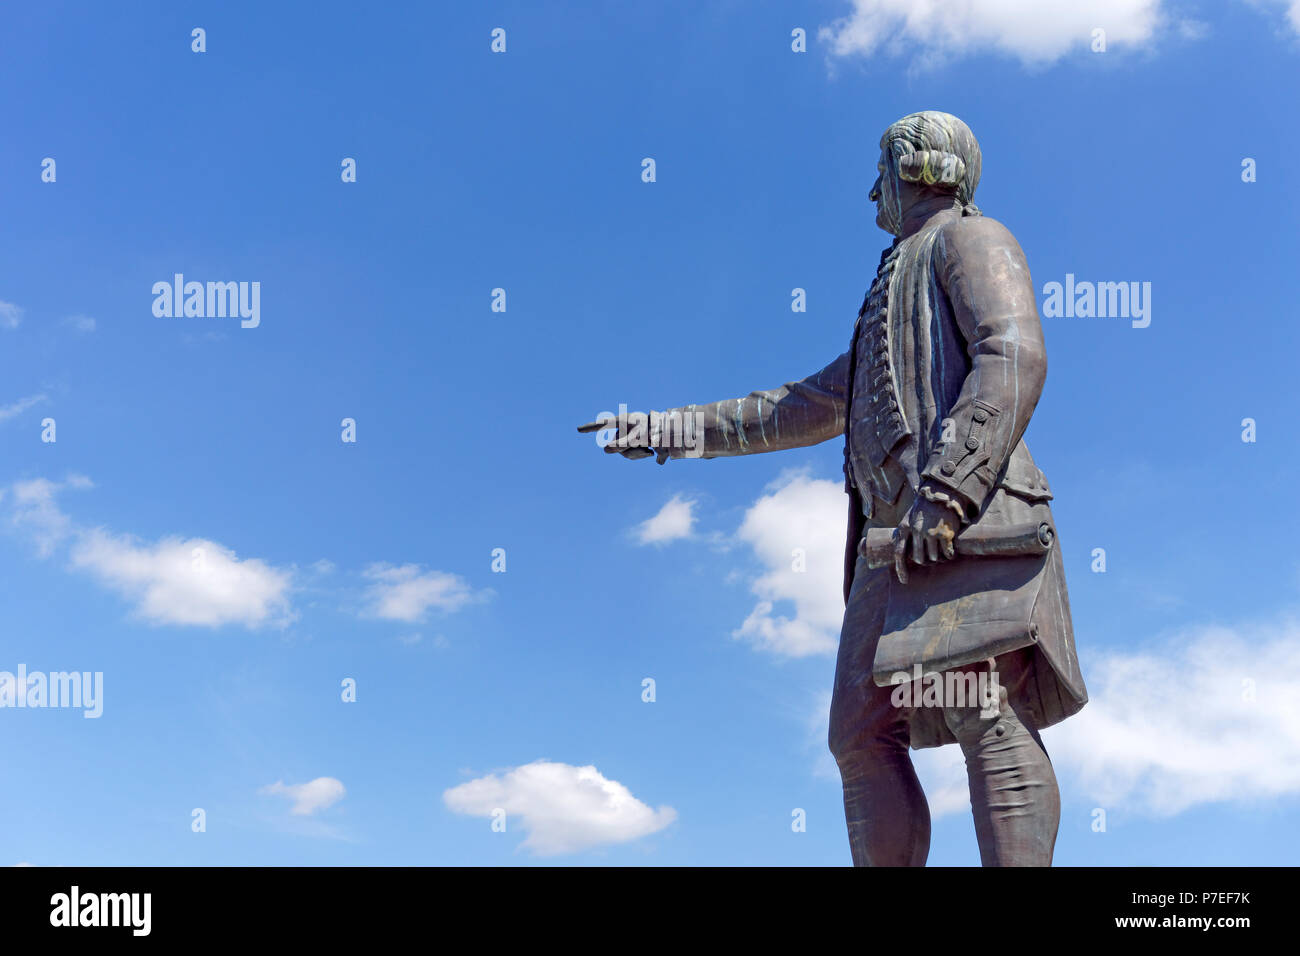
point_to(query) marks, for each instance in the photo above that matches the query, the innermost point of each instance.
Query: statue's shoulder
(964, 235)
(977, 228)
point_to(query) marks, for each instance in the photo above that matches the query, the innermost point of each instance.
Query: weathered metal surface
(951, 562)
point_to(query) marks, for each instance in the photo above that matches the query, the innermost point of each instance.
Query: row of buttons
(979, 416)
(871, 345)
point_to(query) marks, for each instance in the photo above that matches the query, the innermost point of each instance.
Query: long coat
(959, 356)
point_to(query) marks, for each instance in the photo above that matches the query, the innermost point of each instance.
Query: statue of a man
(943, 372)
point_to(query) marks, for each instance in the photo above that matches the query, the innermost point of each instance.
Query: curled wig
(936, 149)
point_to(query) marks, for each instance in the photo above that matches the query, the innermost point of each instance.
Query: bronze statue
(952, 566)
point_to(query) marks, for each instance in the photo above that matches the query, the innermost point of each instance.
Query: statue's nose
(874, 195)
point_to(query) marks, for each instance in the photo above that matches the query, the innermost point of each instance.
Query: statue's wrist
(942, 496)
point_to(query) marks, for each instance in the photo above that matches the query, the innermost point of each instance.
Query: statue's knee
(863, 734)
(839, 737)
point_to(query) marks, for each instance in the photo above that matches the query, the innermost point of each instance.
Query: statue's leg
(884, 805)
(1013, 791)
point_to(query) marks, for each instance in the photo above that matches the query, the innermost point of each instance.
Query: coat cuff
(678, 432)
(963, 466)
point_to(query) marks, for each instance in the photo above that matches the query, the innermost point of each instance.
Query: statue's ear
(932, 167)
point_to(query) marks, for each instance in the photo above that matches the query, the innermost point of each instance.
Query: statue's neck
(919, 213)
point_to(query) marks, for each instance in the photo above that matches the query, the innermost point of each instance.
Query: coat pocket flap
(956, 614)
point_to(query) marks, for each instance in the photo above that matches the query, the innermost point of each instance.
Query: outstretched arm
(799, 413)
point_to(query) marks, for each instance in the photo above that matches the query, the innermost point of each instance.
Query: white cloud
(1289, 8)
(405, 593)
(200, 582)
(1176, 725)
(1166, 729)
(674, 521)
(801, 523)
(1292, 10)
(562, 808)
(309, 797)
(1169, 726)
(192, 581)
(17, 408)
(82, 323)
(1033, 31)
(942, 771)
(10, 315)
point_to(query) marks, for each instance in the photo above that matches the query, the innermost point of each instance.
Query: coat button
(971, 444)
(980, 416)
(947, 468)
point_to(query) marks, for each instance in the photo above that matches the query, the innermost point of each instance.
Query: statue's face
(886, 193)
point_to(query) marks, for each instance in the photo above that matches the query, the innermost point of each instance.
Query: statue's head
(922, 155)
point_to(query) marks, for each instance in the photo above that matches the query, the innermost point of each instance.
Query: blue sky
(320, 560)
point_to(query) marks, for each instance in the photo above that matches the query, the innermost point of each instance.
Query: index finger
(595, 426)
(901, 536)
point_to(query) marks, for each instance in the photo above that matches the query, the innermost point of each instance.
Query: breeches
(1013, 789)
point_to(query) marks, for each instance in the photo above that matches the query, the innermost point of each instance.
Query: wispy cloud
(311, 797)
(82, 323)
(31, 509)
(407, 592)
(17, 408)
(1290, 8)
(10, 315)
